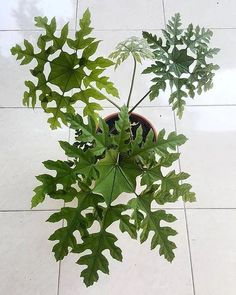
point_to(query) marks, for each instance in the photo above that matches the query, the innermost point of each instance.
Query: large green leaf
(181, 62)
(152, 223)
(116, 173)
(170, 186)
(65, 176)
(103, 240)
(74, 221)
(96, 261)
(76, 70)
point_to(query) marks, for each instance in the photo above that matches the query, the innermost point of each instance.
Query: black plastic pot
(136, 121)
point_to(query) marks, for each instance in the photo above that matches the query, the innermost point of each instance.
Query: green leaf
(117, 174)
(177, 97)
(48, 185)
(181, 55)
(100, 169)
(74, 221)
(97, 243)
(181, 61)
(101, 82)
(123, 127)
(68, 71)
(64, 174)
(136, 47)
(152, 223)
(160, 146)
(85, 160)
(96, 261)
(173, 30)
(89, 133)
(126, 226)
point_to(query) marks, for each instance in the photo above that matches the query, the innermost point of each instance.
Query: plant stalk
(112, 102)
(132, 82)
(108, 99)
(138, 103)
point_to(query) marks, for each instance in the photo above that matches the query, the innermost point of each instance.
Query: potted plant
(117, 154)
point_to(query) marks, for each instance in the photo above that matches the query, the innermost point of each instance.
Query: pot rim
(112, 115)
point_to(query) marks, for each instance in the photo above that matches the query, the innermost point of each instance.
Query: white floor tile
(141, 272)
(209, 155)
(19, 15)
(124, 15)
(210, 13)
(27, 264)
(26, 141)
(212, 240)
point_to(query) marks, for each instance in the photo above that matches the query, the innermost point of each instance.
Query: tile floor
(205, 261)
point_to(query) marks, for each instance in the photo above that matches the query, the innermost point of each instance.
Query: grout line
(28, 210)
(75, 28)
(76, 14)
(11, 107)
(111, 30)
(63, 224)
(58, 278)
(139, 107)
(59, 267)
(164, 12)
(33, 30)
(209, 208)
(179, 166)
(165, 208)
(161, 208)
(128, 30)
(186, 221)
(190, 254)
(211, 105)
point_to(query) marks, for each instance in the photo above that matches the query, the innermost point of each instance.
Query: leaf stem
(112, 102)
(138, 103)
(132, 82)
(107, 98)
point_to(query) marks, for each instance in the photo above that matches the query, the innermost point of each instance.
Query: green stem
(112, 102)
(108, 99)
(132, 82)
(138, 103)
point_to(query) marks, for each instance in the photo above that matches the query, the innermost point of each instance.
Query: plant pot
(136, 121)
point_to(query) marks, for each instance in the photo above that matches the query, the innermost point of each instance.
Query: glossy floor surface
(205, 261)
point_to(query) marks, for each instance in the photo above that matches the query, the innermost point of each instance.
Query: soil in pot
(136, 121)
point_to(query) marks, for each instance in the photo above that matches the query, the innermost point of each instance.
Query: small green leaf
(48, 185)
(136, 47)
